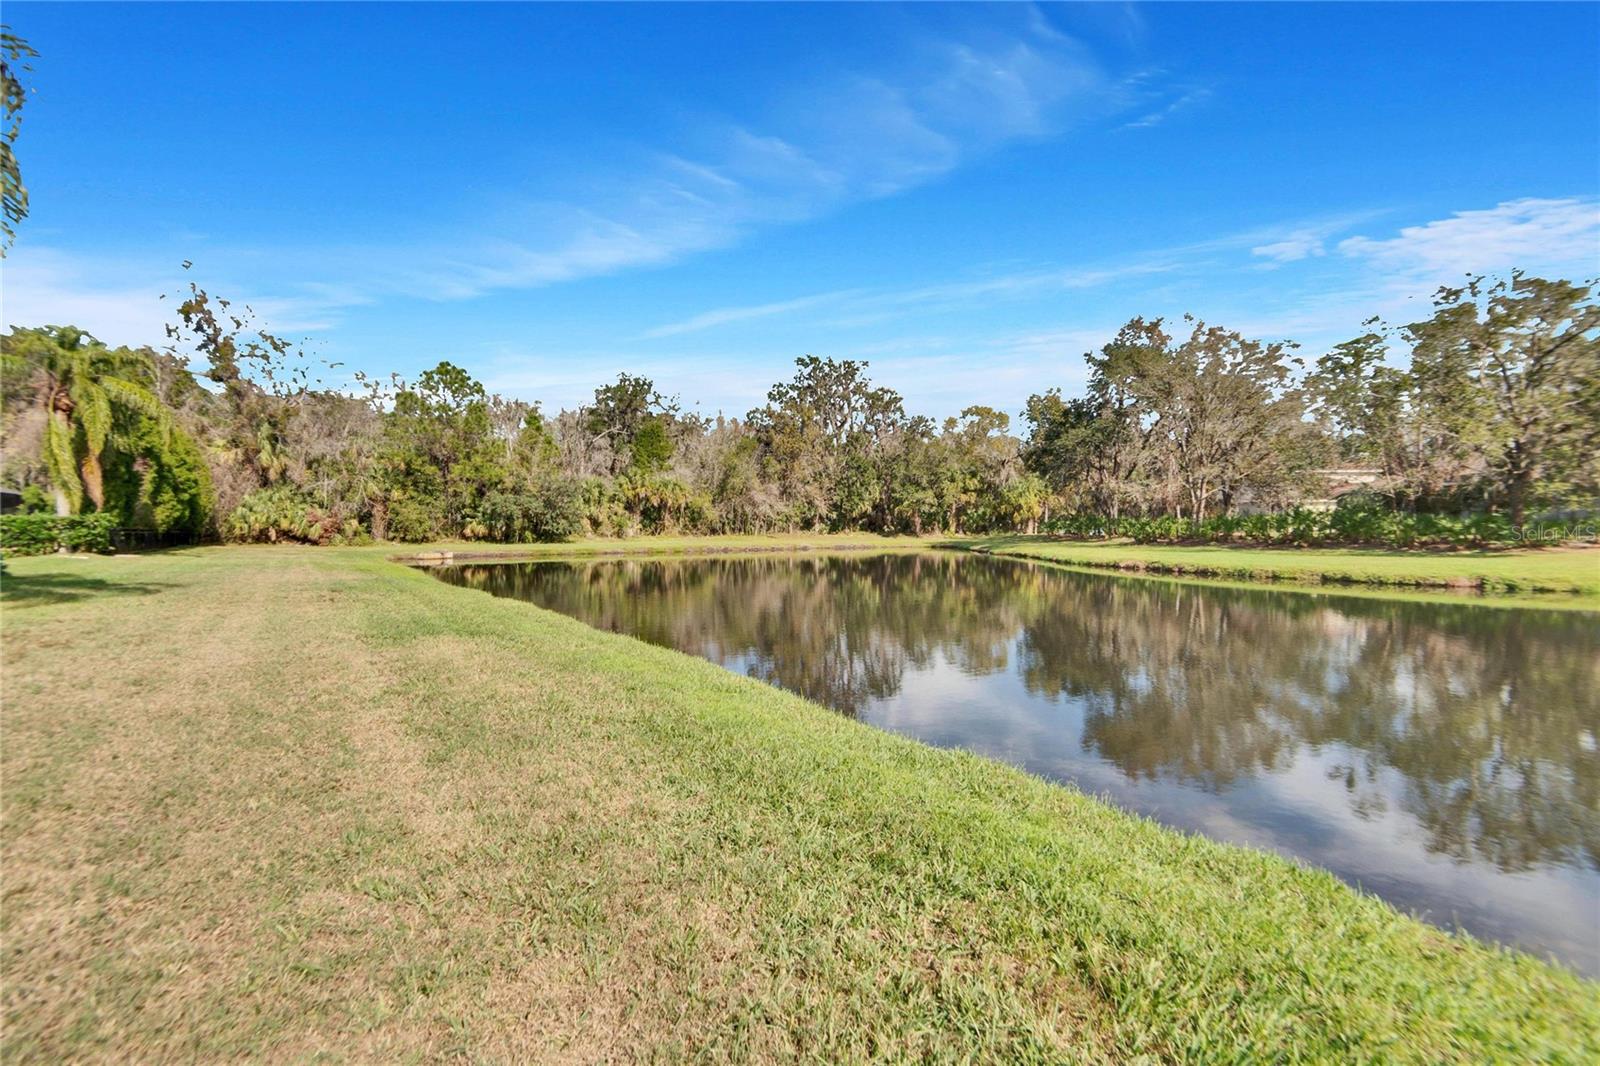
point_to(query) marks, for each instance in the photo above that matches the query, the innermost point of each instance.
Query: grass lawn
(300, 803)
(1565, 570)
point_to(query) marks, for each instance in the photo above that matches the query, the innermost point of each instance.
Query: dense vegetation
(1489, 409)
(38, 534)
(1358, 521)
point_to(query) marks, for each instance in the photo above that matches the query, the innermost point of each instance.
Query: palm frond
(132, 396)
(93, 413)
(61, 462)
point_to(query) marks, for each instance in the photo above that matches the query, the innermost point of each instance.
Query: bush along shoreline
(1355, 527)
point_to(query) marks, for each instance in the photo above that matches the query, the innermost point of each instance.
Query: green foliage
(34, 500)
(90, 398)
(159, 480)
(551, 511)
(280, 514)
(1359, 525)
(439, 446)
(14, 55)
(665, 505)
(826, 435)
(1177, 435)
(652, 446)
(1499, 401)
(605, 512)
(40, 534)
(625, 412)
(414, 520)
(1177, 426)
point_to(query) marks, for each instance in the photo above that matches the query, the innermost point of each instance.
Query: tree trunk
(1519, 495)
(63, 505)
(93, 481)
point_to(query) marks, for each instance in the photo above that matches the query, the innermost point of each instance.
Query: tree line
(1491, 404)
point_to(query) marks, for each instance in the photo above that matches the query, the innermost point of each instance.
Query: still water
(1443, 756)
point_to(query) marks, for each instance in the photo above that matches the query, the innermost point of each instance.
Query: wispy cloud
(1530, 233)
(724, 315)
(813, 147)
(854, 307)
(943, 358)
(859, 307)
(44, 286)
(1394, 277)
(825, 144)
(1170, 107)
(120, 300)
(1302, 245)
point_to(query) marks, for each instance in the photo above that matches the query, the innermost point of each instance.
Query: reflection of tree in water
(1488, 716)
(840, 630)
(1479, 722)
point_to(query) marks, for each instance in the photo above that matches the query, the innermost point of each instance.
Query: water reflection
(1442, 755)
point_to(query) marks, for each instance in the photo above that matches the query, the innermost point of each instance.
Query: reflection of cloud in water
(1286, 810)
(1432, 753)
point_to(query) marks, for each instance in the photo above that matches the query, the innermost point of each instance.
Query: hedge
(40, 534)
(1340, 526)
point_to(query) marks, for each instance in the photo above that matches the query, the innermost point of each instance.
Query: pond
(1443, 756)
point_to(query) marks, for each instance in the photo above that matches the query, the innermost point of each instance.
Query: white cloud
(1302, 245)
(44, 287)
(1300, 239)
(1536, 234)
(130, 301)
(858, 307)
(1168, 109)
(723, 315)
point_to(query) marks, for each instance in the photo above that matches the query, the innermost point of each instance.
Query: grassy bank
(294, 803)
(1563, 570)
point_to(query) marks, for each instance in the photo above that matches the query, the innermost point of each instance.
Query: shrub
(40, 534)
(551, 511)
(36, 501)
(414, 521)
(1362, 523)
(278, 514)
(604, 511)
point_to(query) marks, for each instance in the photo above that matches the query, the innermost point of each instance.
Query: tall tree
(624, 408)
(822, 432)
(1525, 352)
(440, 453)
(80, 385)
(1418, 429)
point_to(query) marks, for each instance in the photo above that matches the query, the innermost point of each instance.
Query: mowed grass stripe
(1573, 571)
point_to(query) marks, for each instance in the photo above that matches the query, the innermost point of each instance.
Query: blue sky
(966, 197)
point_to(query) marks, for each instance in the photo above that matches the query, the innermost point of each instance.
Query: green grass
(300, 804)
(1574, 571)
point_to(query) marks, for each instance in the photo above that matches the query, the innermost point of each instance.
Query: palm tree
(80, 385)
